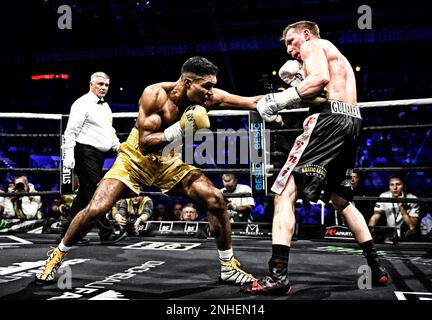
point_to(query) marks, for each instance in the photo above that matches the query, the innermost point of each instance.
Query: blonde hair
(301, 25)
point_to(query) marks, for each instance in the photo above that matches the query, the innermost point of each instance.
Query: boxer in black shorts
(322, 157)
(326, 164)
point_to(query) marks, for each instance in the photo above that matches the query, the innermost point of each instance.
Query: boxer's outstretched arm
(226, 100)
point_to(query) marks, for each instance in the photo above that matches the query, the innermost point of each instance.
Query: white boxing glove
(292, 73)
(269, 105)
(69, 159)
(265, 109)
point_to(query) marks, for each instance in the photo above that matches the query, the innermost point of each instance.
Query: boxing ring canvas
(170, 268)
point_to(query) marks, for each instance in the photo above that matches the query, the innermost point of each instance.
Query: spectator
(402, 215)
(365, 160)
(55, 215)
(160, 212)
(358, 190)
(2, 201)
(426, 227)
(60, 210)
(60, 207)
(240, 209)
(115, 209)
(178, 207)
(133, 212)
(189, 212)
(26, 207)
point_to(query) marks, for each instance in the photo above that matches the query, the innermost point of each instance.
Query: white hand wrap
(69, 159)
(292, 72)
(116, 146)
(269, 105)
(173, 132)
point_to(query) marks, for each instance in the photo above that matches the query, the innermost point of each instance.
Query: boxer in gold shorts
(166, 110)
(134, 168)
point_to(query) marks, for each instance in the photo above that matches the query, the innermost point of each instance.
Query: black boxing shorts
(323, 156)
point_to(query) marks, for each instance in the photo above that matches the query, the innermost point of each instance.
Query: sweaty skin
(160, 106)
(325, 68)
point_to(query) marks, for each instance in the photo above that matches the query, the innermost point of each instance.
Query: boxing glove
(292, 73)
(195, 117)
(321, 98)
(69, 159)
(269, 105)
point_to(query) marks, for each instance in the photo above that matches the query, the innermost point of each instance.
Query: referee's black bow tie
(101, 101)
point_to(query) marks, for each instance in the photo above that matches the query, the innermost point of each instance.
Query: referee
(89, 135)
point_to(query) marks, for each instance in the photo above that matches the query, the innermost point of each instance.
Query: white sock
(63, 248)
(225, 254)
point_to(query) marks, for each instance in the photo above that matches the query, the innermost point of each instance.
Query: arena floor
(155, 268)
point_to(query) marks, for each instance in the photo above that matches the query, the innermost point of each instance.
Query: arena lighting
(50, 76)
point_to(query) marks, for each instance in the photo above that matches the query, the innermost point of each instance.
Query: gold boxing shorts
(134, 169)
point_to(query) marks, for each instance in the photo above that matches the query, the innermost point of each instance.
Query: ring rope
(389, 127)
(218, 113)
(149, 193)
(394, 169)
(209, 170)
(29, 135)
(29, 115)
(401, 126)
(230, 195)
(396, 200)
(30, 169)
(24, 194)
(379, 169)
(245, 170)
(226, 133)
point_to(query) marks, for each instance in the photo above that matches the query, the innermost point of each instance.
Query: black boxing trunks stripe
(295, 154)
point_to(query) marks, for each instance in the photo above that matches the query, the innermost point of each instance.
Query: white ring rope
(221, 113)
(28, 115)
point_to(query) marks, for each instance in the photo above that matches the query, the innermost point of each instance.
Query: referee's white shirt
(90, 123)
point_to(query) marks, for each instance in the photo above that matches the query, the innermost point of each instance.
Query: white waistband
(345, 108)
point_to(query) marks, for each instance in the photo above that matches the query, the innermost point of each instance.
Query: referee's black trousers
(89, 168)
